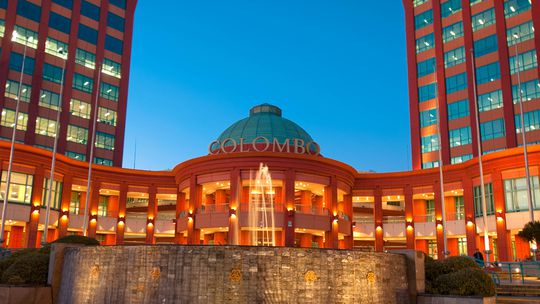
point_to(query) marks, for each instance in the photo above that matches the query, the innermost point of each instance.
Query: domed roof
(265, 120)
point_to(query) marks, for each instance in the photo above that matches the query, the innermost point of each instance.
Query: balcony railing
(299, 208)
(455, 216)
(394, 219)
(213, 208)
(368, 219)
(427, 218)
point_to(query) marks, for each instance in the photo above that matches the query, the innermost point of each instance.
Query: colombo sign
(263, 144)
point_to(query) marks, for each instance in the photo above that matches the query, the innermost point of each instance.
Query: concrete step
(518, 290)
(520, 300)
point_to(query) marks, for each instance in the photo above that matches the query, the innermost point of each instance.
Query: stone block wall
(231, 274)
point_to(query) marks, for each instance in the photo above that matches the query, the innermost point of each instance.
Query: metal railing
(517, 272)
(455, 216)
(399, 219)
(213, 208)
(427, 218)
(310, 209)
(368, 219)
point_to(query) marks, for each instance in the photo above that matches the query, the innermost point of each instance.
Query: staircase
(522, 293)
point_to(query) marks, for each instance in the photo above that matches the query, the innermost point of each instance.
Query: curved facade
(319, 202)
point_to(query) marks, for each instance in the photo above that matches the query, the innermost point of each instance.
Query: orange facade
(318, 202)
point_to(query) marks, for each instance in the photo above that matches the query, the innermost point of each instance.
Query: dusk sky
(337, 68)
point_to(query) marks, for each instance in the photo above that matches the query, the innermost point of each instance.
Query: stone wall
(231, 274)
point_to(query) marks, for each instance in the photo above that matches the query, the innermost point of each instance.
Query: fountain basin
(231, 274)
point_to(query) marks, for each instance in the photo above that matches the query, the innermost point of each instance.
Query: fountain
(261, 216)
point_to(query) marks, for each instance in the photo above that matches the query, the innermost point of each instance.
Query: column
(63, 221)
(121, 221)
(195, 199)
(233, 237)
(180, 207)
(378, 220)
(330, 193)
(93, 208)
(470, 222)
(504, 249)
(438, 220)
(347, 207)
(409, 217)
(36, 202)
(151, 215)
(290, 176)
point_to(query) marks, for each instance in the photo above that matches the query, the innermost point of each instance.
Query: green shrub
(29, 268)
(78, 239)
(465, 282)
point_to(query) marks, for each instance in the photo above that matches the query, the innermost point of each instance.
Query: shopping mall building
(318, 202)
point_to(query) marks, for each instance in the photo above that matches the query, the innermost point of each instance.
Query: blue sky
(337, 68)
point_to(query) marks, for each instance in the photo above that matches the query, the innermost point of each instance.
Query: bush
(465, 282)
(29, 268)
(78, 239)
(459, 276)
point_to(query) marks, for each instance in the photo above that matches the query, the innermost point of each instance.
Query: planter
(444, 299)
(13, 294)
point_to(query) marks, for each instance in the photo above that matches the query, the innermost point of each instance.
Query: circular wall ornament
(155, 273)
(310, 276)
(235, 275)
(371, 277)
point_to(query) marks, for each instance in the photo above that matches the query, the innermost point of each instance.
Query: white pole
(441, 179)
(90, 161)
(13, 134)
(53, 161)
(523, 137)
(487, 250)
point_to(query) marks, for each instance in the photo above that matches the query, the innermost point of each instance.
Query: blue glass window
(118, 3)
(524, 61)
(425, 43)
(87, 34)
(83, 83)
(529, 90)
(514, 7)
(454, 57)
(430, 143)
(488, 73)
(114, 45)
(428, 117)
(427, 92)
(453, 31)
(492, 129)
(90, 10)
(3, 3)
(60, 23)
(460, 137)
(52, 73)
(490, 101)
(520, 33)
(458, 109)
(108, 91)
(104, 141)
(115, 21)
(103, 161)
(532, 121)
(483, 19)
(456, 83)
(64, 3)
(426, 67)
(450, 7)
(29, 10)
(16, 60)
(485, 46)
(460, 159)
(423, 19)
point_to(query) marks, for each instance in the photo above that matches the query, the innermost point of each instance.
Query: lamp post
(487, 250)
(441, 178)
(13, 134)
(53, 161)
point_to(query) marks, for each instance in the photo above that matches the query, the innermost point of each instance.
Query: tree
(531, 233)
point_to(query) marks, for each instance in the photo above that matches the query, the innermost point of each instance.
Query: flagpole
(523, 137)
(13, 134)
(441, 178)
(487, 250)
(53, 161)
(90, 161)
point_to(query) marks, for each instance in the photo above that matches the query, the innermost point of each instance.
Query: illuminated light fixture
(35, 208)
(93, 218)
(470, 222)
(481, 21)
(232, 212)
(410, 225)
(512, 9)
(64, 214)
(190, 216)
(499, 216)
(379, 227)
(121, 220)
(439, 224)
(86, 83)
(150, 221)
(353, 224)
(335, 218)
